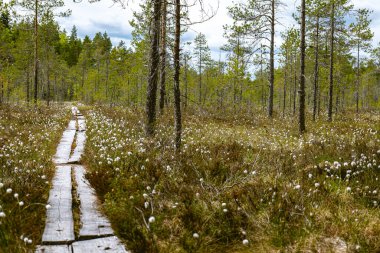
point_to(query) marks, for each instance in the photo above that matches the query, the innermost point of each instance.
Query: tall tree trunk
(186, 82)
(261, 79)
(2, 92)
(153, 72)
(316, 70)
(200, 76)
(295, 84)
(331, 88)
(36, 52)
(271, 80)
(358, 79)
(27, 85)
(55, 87)
(107, 73)
(48, 84)
(285, 81)
(163, 56)
(290, 80)
(177, 92)
(301, 116)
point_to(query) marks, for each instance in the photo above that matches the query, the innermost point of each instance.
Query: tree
(338, 10)
(153, 70)
(203, 57)
(49, 37)
(362, 35)
(38, 8)
(177, 92)
(163, 55)
(301, 117)
(316, 12)
(239, 54)
(6, 44)
(75, 47)
(255, 17)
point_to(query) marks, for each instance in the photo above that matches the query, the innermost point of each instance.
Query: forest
(268, 143)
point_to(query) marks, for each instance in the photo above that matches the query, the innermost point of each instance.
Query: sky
(90, 18)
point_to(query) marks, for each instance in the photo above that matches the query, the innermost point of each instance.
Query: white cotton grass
(48, 206)
(245, 242)
(2, 215)
(9, 190)
(196, 235)
(152, 219)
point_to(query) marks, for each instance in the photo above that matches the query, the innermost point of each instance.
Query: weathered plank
(72, 125)
(81, 123)
(59, 228)
(64, 147)
(54, 249)
(79, 149)
(93, 222)
(107, 244)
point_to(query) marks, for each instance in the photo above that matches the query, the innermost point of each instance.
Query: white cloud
(106, 16)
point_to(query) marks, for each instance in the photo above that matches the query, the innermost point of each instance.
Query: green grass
(281, 191)
(28, 139)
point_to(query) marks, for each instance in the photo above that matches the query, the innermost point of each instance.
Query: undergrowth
(28, 139)
(240, 184)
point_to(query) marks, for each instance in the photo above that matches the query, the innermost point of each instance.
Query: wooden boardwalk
(95, 233)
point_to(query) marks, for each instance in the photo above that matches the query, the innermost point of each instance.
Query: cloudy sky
(107, 16)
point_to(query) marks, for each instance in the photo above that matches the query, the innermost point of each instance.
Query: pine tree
(202, 57)
(362, 35)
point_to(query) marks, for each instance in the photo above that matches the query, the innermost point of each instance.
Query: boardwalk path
(95, 233)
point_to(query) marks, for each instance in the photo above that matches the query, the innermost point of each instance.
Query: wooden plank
(93, 222)
(64, 147)
(54, 249)
(79, 149)
(59, 228)
(81, 123)
(72, 125)
(107, 244)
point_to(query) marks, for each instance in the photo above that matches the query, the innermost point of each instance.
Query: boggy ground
(28, 139)
(240, 184)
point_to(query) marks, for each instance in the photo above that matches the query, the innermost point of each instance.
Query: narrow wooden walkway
(95, 233)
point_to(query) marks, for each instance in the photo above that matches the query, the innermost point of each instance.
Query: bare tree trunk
(290, 80)
(177, 92)
(316, 70)
(200, 75)
(163, 56)
(27, 85)
(2, 92)
(186, 82)
(107, 73)
(153, 72)
(358, 79)
(36, 52)
(295, 84)
(301, 116)
(48, 84)
(285, 81)
(331, 88)
(271, 80)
